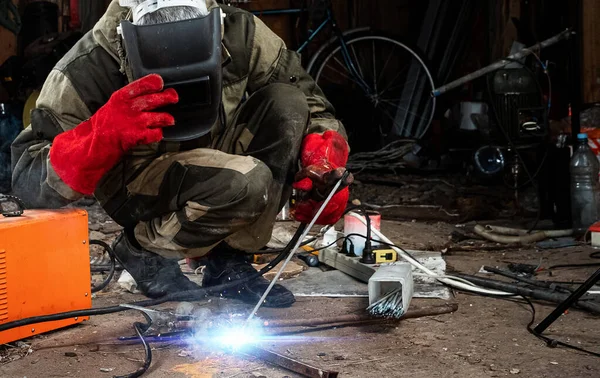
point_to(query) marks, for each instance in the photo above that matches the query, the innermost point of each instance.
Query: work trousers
(185, 203)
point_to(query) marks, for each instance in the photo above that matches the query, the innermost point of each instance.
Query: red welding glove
(83, 155)
(323, 158)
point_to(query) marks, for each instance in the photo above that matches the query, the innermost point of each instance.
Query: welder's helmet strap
(149, 6)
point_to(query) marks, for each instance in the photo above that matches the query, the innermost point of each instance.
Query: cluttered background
(474, 129)
(509, 131)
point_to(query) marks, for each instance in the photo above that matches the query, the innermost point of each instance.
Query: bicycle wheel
(388, 96)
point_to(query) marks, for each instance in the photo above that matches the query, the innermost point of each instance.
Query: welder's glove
(323, 159)
(83, 155)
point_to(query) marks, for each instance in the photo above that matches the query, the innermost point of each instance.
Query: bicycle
(370, 79)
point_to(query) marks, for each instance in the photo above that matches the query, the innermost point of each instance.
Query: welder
(193, 143)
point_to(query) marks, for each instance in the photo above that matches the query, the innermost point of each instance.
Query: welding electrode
(292, 251)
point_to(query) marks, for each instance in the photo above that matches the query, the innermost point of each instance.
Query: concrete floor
(485, 338)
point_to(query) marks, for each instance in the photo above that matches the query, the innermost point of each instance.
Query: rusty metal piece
(289, 363)
(355, 318)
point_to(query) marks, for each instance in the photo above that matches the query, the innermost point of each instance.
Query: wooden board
(291, 270)
(591, 51)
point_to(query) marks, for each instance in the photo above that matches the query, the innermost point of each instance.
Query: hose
(508, 235)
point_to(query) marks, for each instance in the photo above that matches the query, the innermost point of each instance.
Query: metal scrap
(290, 363)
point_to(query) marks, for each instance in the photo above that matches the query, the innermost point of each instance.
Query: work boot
(226, 265)
(155, 275)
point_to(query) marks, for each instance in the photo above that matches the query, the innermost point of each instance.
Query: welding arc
(180, 296)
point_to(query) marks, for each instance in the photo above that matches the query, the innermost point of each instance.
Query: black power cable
(180, 296)
(113, 264)
(368, 257)
(147, 354)
(552, 343)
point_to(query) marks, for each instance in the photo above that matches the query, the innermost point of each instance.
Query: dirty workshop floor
(486, 337)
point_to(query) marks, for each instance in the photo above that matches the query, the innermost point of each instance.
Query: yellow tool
(383, 256)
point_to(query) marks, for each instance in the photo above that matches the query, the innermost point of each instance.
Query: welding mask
(187, 54)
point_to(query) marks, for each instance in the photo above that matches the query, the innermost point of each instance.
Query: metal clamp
(157, 321)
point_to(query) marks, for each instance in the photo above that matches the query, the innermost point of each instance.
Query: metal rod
(501, 63)
(533, 293)
(289, 363)
(410, 314)
(293, 250)
(571, 300)
(343, 319)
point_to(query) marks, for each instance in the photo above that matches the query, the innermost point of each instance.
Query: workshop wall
(591, 51)
(282, 25)
(8, 41)
(392, 17)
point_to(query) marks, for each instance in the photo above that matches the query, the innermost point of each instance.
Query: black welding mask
(187, 54)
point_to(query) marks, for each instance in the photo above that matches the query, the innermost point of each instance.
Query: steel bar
(522, 232)
(540, 294)
(571, 300)
(501, 63)
(289, 363)
(545, 284)
(410, 314)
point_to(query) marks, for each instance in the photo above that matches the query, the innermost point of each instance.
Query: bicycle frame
(329, 19)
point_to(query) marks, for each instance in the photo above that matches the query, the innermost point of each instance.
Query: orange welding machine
(44, 269)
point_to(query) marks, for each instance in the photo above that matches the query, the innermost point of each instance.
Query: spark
(232, 335)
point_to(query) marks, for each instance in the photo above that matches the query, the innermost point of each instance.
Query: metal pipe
(501, 63)
(527, 292)
(356, 318)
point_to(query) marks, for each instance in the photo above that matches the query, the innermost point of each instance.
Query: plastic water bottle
(585, 188)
